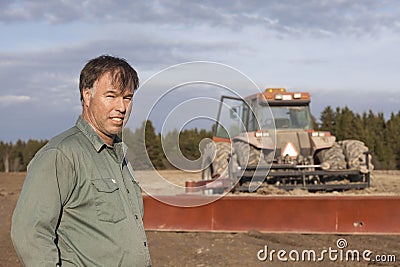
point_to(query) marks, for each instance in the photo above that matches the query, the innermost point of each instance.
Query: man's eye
(110, 96)
(128, 98)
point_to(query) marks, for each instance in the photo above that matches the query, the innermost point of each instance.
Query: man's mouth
(117, 119)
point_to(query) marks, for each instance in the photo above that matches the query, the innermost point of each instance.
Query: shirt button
(127, 190)
(136, 217)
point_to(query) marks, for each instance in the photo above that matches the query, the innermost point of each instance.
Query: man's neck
(108, 140)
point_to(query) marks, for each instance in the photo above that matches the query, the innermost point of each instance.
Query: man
(80, 205)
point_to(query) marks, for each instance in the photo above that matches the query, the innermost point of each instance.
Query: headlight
(261, 134)
(320, 134)
(287, 97)
(297, 95)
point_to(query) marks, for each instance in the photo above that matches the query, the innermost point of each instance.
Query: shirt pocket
(108, 201)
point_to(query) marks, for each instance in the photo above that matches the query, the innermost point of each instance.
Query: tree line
(147, 148)
(382, 136)
(15, 157)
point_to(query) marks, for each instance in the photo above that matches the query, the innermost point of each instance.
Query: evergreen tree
(393, 140)
(29, 151)
(2, 153)
(16, 156)
(347, 125)
(6, 148)
(376, 126)
(327, 119)
(144, 147)
(171, 150)
(153, 145)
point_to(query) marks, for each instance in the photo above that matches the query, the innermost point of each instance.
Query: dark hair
(123, 75)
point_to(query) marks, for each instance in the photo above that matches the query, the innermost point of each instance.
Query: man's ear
(86, 95)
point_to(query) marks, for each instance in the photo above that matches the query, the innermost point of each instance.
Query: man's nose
(121, 105)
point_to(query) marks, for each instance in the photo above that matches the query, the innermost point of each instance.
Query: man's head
(124, 76)
(107, 85)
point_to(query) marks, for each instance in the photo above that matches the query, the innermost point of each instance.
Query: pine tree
(346, 124)
(29, 151)
(376, 126)
(153, 145)
(327, 119)
(16, 156)
(393, 140)
(2, 153)
(171, 150)
(144, 147)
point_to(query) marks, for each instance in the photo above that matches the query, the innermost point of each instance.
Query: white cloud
(287, 17)
(395, 99)
(7, 100)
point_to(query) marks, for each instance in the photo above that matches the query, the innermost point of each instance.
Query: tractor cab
(274, 109)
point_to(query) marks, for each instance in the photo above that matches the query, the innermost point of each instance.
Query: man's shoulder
(64, 143)
(65, 140)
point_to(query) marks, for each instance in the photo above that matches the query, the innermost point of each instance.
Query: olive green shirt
(80, 205)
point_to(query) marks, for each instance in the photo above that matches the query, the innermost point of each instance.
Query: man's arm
(34, 224)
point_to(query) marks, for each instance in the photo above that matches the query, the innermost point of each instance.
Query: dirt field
(382, 183)
(237, 249)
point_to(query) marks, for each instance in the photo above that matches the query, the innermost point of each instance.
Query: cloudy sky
(345, 52)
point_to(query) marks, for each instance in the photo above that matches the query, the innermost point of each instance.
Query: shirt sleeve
(48, 185)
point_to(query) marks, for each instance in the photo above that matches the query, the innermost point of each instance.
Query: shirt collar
(90, 133)
(96, 140)
(120, 149)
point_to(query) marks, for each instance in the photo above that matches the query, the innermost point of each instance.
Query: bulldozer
(268, 139)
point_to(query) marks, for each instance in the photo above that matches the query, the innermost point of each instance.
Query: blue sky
(345, 52)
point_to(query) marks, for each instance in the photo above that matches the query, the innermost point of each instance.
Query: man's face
(106, 108)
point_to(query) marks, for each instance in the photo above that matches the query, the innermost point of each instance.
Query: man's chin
(115, 130)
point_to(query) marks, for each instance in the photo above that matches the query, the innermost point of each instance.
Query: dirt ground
(240, 249)
(382, 183)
